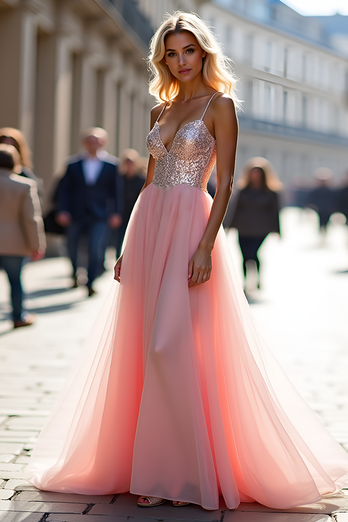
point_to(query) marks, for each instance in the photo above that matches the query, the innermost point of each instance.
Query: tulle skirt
(175, 395)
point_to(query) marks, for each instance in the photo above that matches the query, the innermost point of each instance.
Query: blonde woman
(174, 397)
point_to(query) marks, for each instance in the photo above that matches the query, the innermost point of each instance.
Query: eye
(190, 50)
(170, 55)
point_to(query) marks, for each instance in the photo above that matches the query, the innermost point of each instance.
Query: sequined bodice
(189, 161)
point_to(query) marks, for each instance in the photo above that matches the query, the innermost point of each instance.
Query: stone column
(18, 29)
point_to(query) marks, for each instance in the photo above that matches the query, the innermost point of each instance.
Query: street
(300, 311)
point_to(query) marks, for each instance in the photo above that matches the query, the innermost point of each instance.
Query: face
(183, 56)
(256, 177)
(92, 144)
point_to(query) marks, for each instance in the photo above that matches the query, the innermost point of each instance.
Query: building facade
(68, 65)
(293, 82)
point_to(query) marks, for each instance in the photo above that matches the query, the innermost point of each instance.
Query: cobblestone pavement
(301, 313)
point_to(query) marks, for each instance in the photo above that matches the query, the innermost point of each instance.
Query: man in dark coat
(90, 197)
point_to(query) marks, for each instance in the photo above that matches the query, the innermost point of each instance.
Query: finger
(190, 269)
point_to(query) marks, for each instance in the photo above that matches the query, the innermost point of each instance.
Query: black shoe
(91, 291)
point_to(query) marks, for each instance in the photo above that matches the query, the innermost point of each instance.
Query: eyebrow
(186, 46)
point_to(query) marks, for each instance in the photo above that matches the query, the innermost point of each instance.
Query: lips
(183, 71)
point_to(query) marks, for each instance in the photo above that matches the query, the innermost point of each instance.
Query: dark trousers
(95, 233)
(13, 268)
(249, 247)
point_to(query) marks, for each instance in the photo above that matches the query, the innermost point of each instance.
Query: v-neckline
(177, 132)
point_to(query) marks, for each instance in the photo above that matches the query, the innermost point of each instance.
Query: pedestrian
(90, 197)
(255, 210)
(133, 183)
(342, 198)
(16, 138)
(176, 397)
(21, 228)
(322, 198)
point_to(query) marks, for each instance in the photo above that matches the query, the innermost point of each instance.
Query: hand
(37, 255)
(115, 220)
(63, 219)
(117, 269)
(199, 268)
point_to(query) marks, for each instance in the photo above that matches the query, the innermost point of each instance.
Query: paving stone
(11, 447)
(235, 516)
(12, 475)
(91, 518)
(328, 505)
(5, 494)
(340, 517)
(48, 496)
(41, 507)
(6, 458)
(18, 436)
(11, 467)
(20, 485)
(22, 459)
(126, 505)
(6, 516)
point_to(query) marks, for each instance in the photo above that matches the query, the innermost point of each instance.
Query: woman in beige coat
(21, 228)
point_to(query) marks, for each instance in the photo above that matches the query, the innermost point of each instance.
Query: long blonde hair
(21, 144)
(217, 72)
(270, 177)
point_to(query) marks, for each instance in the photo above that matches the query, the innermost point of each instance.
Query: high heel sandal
(152, 501)
(180, 503)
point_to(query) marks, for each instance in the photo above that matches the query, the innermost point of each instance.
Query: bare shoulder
(155, 112)
(223, 106)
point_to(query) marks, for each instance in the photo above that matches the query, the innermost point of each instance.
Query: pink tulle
(175, 395)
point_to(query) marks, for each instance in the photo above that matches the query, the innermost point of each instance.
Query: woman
(21, 229)
(175, 398)
(15, 137)
(255, 210)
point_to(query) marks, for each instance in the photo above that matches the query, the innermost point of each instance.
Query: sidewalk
(301, 313)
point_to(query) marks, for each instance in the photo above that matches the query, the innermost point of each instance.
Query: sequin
(190, 160)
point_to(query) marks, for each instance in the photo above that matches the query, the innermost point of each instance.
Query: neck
(193, 89)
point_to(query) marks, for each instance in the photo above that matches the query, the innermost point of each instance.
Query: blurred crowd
(89, 204)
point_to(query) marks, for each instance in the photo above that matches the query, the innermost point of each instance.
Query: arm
(31, 221)
(226, 134)
(63, 216)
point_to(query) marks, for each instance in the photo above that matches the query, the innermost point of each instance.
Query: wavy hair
(19, 142)
(270, 177)
(217, 71)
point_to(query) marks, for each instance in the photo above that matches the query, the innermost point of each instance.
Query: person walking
(322, 198)
(21, 228)
(90, 197)
(255, 210)
(133, 183)
(175, 397)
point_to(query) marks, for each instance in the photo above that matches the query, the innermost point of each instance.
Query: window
(268, 64)
(286, 56)
(285, 105)
(304, 111)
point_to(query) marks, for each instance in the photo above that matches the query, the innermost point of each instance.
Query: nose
(182, 60)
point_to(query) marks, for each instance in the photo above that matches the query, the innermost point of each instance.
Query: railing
(134, 18)
(297, 133)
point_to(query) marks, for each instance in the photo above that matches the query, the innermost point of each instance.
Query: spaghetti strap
(205, 110)
(160, 114)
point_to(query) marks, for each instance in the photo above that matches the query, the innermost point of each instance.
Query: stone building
(293, 74)
(70, 64)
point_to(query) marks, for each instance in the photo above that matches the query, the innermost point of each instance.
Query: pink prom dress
(175, 395)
